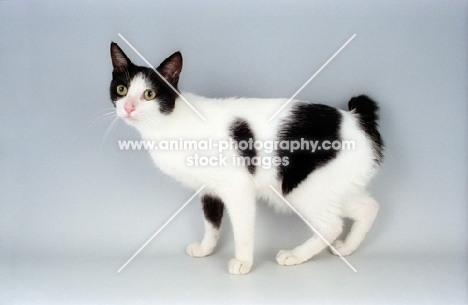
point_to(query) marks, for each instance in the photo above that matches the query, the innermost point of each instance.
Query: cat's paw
(198, 250)
(288, 258)
(343, 248)
(239, 267)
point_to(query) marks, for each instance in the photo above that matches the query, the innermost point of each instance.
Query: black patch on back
(241, 131)
(368, 119)
(213, 209)
(311, 122)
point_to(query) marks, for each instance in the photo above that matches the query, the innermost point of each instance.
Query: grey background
(73, 209)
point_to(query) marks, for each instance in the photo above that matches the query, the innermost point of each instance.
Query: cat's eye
(121, 90)
(150, 94)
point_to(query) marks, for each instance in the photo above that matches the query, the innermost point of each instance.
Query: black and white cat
(324, 186)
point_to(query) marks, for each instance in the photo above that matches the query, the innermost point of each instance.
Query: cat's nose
(129, 108)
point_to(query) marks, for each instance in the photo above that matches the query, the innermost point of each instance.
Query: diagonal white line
(313, 229)
(160, 229)
(151, 66)
(312, 77)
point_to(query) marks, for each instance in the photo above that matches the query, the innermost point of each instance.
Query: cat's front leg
(208, 243)
(241, 208)
(213, 209)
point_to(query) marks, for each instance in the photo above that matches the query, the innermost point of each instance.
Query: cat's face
(139, 94)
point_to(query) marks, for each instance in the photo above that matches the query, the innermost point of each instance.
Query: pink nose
(129, 108)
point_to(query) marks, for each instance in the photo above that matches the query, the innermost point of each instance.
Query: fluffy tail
(368, 112)
(365, 107)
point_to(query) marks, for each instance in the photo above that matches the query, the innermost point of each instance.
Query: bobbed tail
(368, 112)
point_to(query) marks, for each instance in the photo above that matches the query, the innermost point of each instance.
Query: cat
(324, 186)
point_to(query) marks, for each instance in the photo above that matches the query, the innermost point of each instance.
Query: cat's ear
(120, 61)
(170, 68)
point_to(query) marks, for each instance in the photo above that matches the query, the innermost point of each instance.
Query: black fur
(213, 209)
(313, 122)
(368, 118)
(241, 131)
(124, 73)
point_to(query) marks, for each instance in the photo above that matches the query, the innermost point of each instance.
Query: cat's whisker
(147, 119)
(141, 117)
(106, 109)
(99, 119)
(100, 115)
(108, 131)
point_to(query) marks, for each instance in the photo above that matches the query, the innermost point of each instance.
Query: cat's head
(140, 95)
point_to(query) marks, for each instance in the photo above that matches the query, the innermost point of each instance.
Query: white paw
(288, 258)
(239, 267)
(197, 250)
(342, 248)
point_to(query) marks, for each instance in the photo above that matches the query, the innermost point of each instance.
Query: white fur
(329, 193)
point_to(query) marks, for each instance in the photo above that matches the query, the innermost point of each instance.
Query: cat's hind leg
(362, 209)
(311, 247)
(213, 209)
(324, 216)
